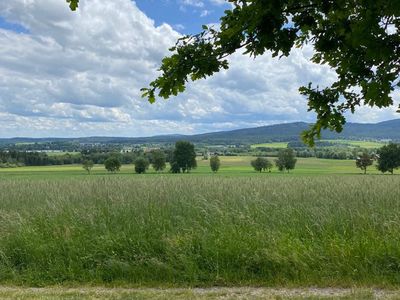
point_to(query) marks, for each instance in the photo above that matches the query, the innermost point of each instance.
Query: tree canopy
(389, 158)
(73, 4)
(364, 161)
(215, 163)
(87, 165)
(261, 164)
(286, 160)
(158, 159)
(112, 164)
(358, 39)
(141, 165)
(184, 157)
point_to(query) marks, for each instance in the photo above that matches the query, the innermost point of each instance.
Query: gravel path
(196, 293)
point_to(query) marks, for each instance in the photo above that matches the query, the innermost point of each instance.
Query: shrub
(141, 165)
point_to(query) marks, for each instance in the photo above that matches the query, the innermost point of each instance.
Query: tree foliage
(364, 161)
(268, 166)
(112, 164)
(261, 164)
(175, 169)
(141, 165)
(389, 158)
(87, 165)
(215, 163)
(73, 4)
(286, 160)
(158, 160)
(358, 39)
(184, 157)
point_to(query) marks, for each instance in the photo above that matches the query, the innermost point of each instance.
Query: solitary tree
(364, 161)
(215, 163)
(388, 158)
(286, 160)
(260, 164)
(87, 165)
(158, 160)
(141, 165)
(184, 156)
(112, 164)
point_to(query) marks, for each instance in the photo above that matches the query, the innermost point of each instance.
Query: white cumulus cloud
(80, 74)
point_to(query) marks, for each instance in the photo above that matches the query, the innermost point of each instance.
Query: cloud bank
(80, 74)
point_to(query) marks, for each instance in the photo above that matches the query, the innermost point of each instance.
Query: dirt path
(197, 293)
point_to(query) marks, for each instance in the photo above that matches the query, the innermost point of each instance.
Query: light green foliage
(389, 158)
(87, 165)
(200, 230)
(141, 165)
(270, 145)
(286, 160)
(215, 163)
(358, 39)
(112, 164)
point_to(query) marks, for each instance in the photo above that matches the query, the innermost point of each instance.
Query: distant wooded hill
(388, 130)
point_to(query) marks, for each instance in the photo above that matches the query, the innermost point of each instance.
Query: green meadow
(278, 145)
(230, 166)
(324, 224)
(361, 144)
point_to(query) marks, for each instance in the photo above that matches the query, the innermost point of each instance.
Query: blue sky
(186, 17)
(70, 74)
(12, 26)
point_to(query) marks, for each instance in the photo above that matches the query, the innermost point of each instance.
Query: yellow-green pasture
(361, 144)
(279, 145)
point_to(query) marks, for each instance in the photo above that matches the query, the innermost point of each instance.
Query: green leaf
(73, 4)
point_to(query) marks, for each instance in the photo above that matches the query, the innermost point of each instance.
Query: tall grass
(201, 231)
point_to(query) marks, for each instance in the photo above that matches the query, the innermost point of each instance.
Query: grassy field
(61, 153)
(60, 226)
(361, 144)
(270, 145)
(230, 166)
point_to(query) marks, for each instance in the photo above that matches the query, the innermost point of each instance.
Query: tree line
(183, 160)
(14, 158)
(286, 161)
(387, 159)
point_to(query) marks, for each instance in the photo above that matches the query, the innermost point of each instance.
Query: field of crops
(361, 144)
(279, 145)
(58, 225)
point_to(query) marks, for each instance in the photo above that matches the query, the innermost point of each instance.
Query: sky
(74, 74)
